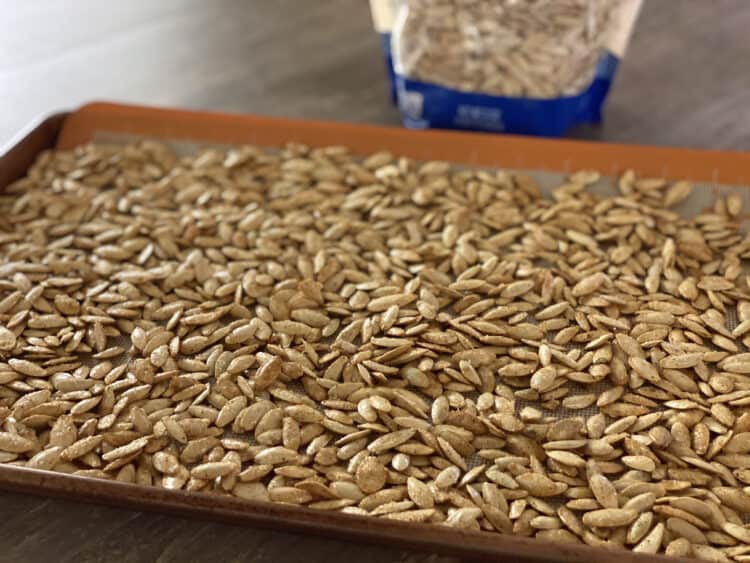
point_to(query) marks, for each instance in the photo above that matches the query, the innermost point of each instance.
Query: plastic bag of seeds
(536, 67)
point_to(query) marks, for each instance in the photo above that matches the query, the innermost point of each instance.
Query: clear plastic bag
(534, 48)
(383, 15)
(524, 66)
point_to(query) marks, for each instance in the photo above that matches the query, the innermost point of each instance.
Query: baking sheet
(717, 172)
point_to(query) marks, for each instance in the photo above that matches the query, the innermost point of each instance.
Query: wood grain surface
(685, 82)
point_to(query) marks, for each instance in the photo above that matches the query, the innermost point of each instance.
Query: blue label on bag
(424, 105)
(385, 45)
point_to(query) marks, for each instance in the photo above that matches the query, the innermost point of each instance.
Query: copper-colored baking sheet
(102, 119)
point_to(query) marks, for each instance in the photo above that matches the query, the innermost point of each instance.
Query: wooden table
(685, 82)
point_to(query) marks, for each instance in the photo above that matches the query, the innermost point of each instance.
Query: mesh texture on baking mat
(702, 197)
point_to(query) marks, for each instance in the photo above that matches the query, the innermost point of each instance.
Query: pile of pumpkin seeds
(384, 337)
